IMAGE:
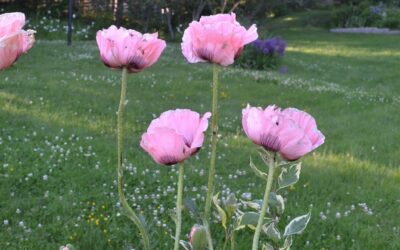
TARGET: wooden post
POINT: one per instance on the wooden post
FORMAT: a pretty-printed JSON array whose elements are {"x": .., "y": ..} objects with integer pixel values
[{"x": 69, "y": 35}]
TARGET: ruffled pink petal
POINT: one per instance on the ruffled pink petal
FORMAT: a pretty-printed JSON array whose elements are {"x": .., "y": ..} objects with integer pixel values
[
  {"x": 216, "y": 39},
  {"x": 120, "y": 48},
  {"x": 165, "y": 146},
  {"x": 183, "y": 121},
  {"x": 28, "y": 40},
  {"x": 306, "y": 122},
  {"x": 11, "y": 23},
  {"x": 253, "y": 124},
  {"x": 251, "y": 35},
  {"x": 10, "y": 49},
  {"x": 294, "y": 143},
  {"x": 198, "y": 137}
]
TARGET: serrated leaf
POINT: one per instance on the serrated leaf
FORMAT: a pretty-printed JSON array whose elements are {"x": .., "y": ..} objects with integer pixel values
[
  {"x": 297, "y": 225},
  {"x": 277, "y": 201},
  {"x": 267, "y": 246},
  {"x": 289, "y": 175},
  {"x": 287, "y": 244},
  {"x": 272, "y": 232},
  {"x": 221, "y": 212},
  {"x": 258, "y": 172},
  {"x": 250, "y": 219}
]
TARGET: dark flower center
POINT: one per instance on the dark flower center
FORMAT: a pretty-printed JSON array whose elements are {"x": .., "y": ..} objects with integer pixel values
[
  {"x": 205, "y": 54},
  {"x": 168, "y": 160},
  {"x": 136, "y": 63},
  {"x": 270, "y": 142}
]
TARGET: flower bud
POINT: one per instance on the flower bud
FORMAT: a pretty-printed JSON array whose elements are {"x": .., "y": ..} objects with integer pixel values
[{"x": 198, "y": 237}]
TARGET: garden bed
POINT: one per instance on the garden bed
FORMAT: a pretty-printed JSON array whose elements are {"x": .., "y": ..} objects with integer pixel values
[{"x": 367, "y": 30}]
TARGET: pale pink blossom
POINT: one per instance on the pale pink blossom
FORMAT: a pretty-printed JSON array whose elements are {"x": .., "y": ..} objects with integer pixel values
[
  {"x": 175, "y": 136},
  {"x": 302, "y": 136},
  {"x": 262, "y": 126},
  {"x": 216, "y": 39},
  {"x": 14, "y": 41},
  {"x": 290, "y": 132},
  {"x": 126, "y": 48}
]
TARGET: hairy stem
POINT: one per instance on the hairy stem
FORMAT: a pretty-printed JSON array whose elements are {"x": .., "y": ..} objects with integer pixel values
[
  {"x": 128, "y": 211},
  {"x": 214, "y": 129},
  {"x": 179, "y": 208},
  {"x": 264, "y": 204}
]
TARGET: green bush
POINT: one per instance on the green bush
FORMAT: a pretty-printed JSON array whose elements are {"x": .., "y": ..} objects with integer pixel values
[{"x": 392, "y": 19}]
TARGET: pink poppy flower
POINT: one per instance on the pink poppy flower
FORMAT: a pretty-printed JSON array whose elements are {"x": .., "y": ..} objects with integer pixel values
[
  {"x": 301, "y": 135},
  {"x": 175, "y": 136},
  {"x": 262, "y": 126},
  {"x": 13, "y": 40},
  {"x": 291, "y": 132},
  {"x": 120, "y": 47},
  {"x": 216, "y": 39}
]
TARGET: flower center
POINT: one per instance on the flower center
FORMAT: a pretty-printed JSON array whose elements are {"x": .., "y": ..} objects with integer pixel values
[
  {"x": 270, "y": 142},
  {"x": 205, "y": 54},
  {"x": 168, "y": 160},
  {"x": 136, "y": 62}
]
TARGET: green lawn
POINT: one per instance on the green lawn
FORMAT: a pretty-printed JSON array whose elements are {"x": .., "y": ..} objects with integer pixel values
[{"x": 57, "y": 143}]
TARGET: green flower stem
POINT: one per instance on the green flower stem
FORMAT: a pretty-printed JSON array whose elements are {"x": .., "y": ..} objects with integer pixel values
[
  {"x": 214, "y": 129},
  {"x": 233, "y": 240},
  {"x": 128, "y": 210},
  {"x": 208, "y": 234},
  {"x": 179, "y": 208},
  {"x": 265, "y": 203}
]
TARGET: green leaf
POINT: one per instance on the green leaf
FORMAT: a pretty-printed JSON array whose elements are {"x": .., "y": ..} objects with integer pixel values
[
  {"x": 287, "y": 244},
  {"x": 256, "y": 204},
  {"x": 297, "y": 225},
  {"x": 272, "y": 232},
  {"x": 221, "y": 212},
  {"x": 186, "y": 245},
  {"x": 289, "y": 175},
  {"x": 231, "y": 204},
  {"x": 258, "y": 172},
  {"x": 267, "y": 246},
  {"x": 277, "y": 201},
  {"x": 250, "y": 219}
]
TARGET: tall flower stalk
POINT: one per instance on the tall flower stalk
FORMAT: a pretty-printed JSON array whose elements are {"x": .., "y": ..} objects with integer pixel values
[
  {"x": 170, "y": 139},
  {"x": 127, "y": 209},
  {"x": 214, "y": 139},
  {"x": 132, "y": 52},
  {"x": 289, "y": 133},
  {"x": 271, "y": 172},
  {"x": 179, "y": 208}
]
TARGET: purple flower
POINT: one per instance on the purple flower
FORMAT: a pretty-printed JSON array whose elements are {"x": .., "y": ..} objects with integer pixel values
[
  {"x": 272, "y": 46},
  {"x": 283, "y": 69}
]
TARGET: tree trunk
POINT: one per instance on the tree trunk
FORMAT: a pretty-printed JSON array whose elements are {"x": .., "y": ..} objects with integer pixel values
[{"x": 118, "y": 12}]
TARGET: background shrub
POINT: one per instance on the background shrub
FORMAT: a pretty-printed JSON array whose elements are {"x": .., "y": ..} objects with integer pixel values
[{"x": 263, "y": 54}]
